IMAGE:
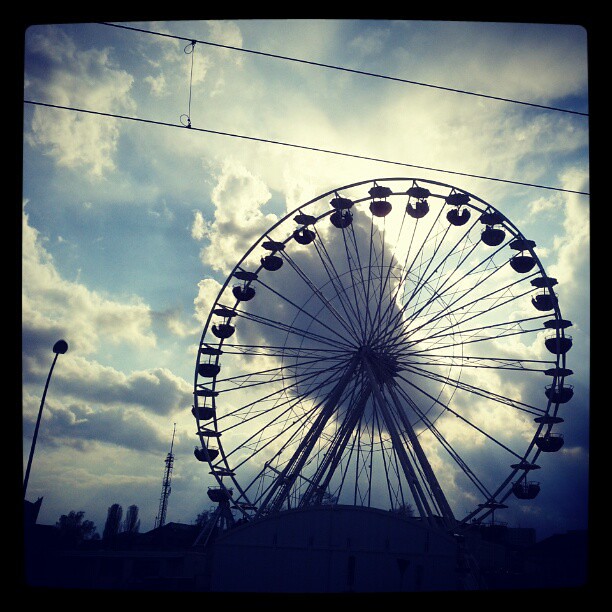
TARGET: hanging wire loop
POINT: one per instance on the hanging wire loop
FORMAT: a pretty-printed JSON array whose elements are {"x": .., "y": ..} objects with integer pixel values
[{"x": 189, "y": 50}]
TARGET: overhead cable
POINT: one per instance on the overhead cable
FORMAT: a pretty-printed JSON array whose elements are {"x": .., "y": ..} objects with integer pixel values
[
  {"x": 361, "y": 72},
  {"x": 303, "y": 147}
]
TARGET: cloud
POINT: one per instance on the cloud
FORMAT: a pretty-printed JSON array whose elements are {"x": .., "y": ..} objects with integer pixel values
[
  {"x": 199, "y": 227},
  {"x": 157, "y": 391},
  {"x": 82, "y": 426},
  {"x": 573, "y": 264},
  {"x": 90, "y": 401},
  {"x": 173, "y": 320},
  {"x": 208, "y": 289},
  {"x": 79, "y": 78},
  {"x": 370, "y": 43},
  {"x": 534, "y": 62},
  {"x": 238, "y": 220},
  {"x": 157, "y": 84},
  {"x": 85, "y": 318},
  {"x": 92, "y": 475},
  {"x": 196, "y": 69},
  {"x": 227, "y": 33},
  {"x": 546, "y": 205}
]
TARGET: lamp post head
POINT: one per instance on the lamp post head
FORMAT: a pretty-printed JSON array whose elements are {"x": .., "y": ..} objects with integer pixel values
[{"x": 61, "y": 346}]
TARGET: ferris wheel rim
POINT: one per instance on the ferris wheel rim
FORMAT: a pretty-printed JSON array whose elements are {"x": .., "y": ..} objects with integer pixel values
[{"x": 551, "y": 407}]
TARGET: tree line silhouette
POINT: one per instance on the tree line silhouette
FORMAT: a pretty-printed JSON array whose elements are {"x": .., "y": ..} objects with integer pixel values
[
  {"x": 73, "y": 528},
  {"x": 114, "y": 526}
]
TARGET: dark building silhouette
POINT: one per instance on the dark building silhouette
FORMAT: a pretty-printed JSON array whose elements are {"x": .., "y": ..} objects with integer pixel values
[
  {"x": 321, "y": 549},
  {"x": 560, "y": 561},
  {"x": 31, "y": 510}
]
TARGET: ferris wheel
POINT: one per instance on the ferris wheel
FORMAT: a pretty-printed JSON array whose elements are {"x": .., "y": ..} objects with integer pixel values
[{"x": 394, "y": 343}]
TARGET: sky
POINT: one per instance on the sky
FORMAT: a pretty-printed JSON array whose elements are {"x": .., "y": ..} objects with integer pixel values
[{"x": 132, "y": 221}]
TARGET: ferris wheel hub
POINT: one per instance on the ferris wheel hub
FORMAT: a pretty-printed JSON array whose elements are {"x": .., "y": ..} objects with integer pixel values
[{"x": 384, "y": 365}]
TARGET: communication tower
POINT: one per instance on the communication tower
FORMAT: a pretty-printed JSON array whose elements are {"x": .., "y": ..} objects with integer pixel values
[{"x": 160, "y": 519}]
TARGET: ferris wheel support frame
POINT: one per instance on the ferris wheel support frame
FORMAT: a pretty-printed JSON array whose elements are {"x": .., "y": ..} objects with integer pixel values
[{"x": 281, "y": 489}]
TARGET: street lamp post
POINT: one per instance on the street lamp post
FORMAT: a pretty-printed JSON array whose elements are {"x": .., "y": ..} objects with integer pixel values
[{"x": 59, "y": 348}]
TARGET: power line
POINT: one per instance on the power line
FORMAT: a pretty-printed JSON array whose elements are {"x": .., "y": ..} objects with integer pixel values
[
  {"x": 298, "y": 146},
  {"x": 343, "y": 69}
]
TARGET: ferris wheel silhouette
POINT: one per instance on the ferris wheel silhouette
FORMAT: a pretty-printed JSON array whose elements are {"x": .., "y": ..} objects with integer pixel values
[{"x": 379, "y": 346}]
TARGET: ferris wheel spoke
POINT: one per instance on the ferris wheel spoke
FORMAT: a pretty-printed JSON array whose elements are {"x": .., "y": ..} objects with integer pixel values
[
  {"x": 297, "y": 428},
  {"x": 289, "y": 444},
  {"x": 356, "y": 274},
  {"x": 301, "y": 310},
  {"x": 466, "y": 342},
  {"x": 334, "y": 449},
  {"x": 319, "y": 294},
  {"x": 407, "y": 465},
  {"x": 394, "y": 483},
  {"x": 393, "y": 258},
  {"x": 271, "y": 375},
  {"x": 380, "y": 264},
  {"x": 358, "y": 455},
  {"x": 285, "y": 351},
  {"x": 384, "y": 315},
  {"x": 332, "y": 444},
  {"x": 376, "y": 280},
  {"x": 261, "y": 402},
  {"x": 464, "y": 419},
  {"x": 438, "y": 294},
  {"x": 445, "y": 444},
  {"x": 499, "y": 292},
  {"x": 449, "y": 331},
  {"x": 263, "y": 443},
  {"x": 463, "y": 249},
  {"x": 339, "y": 289},
  {"x": 423, "y": 278},
  {"x": 477, "y": 362},
  {"x": 485, "y": 310},
  {"x": 251, "y": 411},
  {"x": 421, "y": 272},
  {"x": 336, "y": 341},
  {"x": 463, "y": 386},
  {"x": 433, "y": 343},
  {"x": 368, "y": 316},
  {"x": 461, "y": 293},
  {"x": 388, "y": 465},
  {"x": 402, "y": 276},
  {"x": 428, "y": 477},
  {"x": 282, "y": 486},
  {"x": 366, "y": 281},
  {"x": 368, "y": 464},
  {"x": 406, "y": 271},
  {"x": 354, "y": 459}
]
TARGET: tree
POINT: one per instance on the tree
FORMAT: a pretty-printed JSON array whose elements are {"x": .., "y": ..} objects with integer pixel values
[
  {"x": 202, "y": 518},
  {"x": 132, "y": 522},
  {"x": 73, "y": 529},
  {"x": 404, "y": 510},
  {"x": 113, "y": 521},
  {"x": 327, "y": 499}
]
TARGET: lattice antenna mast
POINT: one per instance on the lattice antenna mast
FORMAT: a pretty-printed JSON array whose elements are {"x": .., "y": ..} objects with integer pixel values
[{"x": 160, "y": 519}]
